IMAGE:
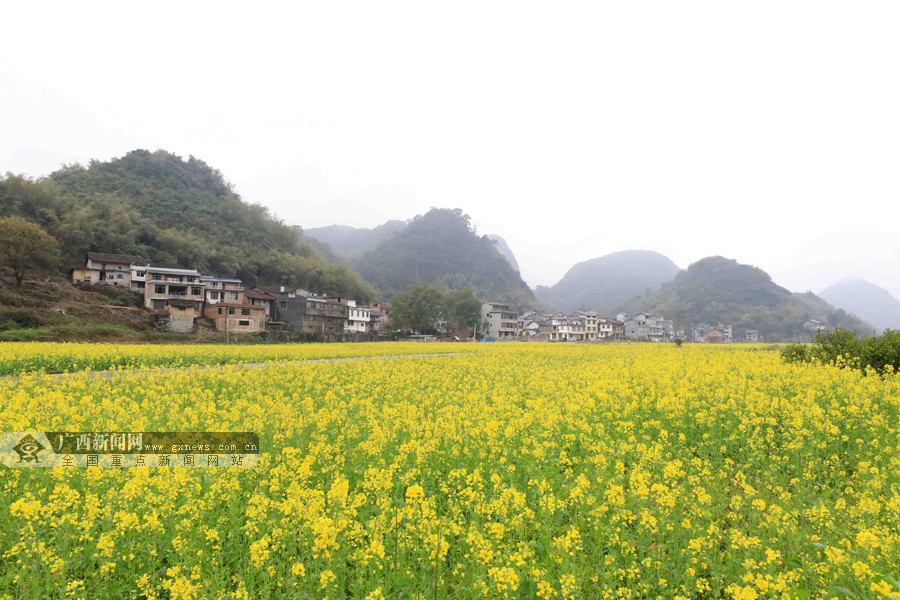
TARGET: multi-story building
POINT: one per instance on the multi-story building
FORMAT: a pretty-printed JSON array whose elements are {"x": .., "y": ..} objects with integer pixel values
[
  {"x": 166, "y": 283},
  {"x": 325, "y": 315},
  {"x": 637, "y": 329},
  {"x": 609, "y": 328},
  {"x": 358, "y": 317},
  {"x": 138, "y": 277},
  {"x": 591, "y": 320},
  {"x": 577, "y": 331},
  {"x": 260, "y": 297},
  {"x": 110, "y": 269},
  {"x": 380, "y": 316},
  {"x": 290, "y": 308},
  {"x": 500, "y": 321},
  {"x": 229, "y": 308}
]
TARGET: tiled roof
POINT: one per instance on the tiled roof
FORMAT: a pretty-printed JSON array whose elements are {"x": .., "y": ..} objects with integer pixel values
[{"x": 258, "y": 293}]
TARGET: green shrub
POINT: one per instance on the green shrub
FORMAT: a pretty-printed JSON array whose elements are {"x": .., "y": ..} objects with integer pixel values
[
  {"x": 24, "y": 318},
  {"x": 795, "y": 353},
  {"x": 842, "y": 348},
  {"x": 881, "y": 352}
]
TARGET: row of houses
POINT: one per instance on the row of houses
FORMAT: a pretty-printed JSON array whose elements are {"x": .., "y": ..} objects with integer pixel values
[
  {"x": 590, "y": 326},
  {"x": 181, "y": 296}
]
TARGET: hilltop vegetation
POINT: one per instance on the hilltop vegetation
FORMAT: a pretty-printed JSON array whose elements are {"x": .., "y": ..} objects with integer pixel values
[
  {"x": 604, "y": 283},
  {"x": 441, "y": 248},
  {"x": 166, "y": 209},
  {"x": 717, "y": 289}
]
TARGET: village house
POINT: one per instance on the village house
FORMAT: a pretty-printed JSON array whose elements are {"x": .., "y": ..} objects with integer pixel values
[
  {"x": 290, "y": 308},
  {"x": 814, "y": 325},
  {"x": 379, "y": 316},
  {"x": 715, "y": 336},
  {"x": 358, "y": 318},
  {"x": 531, "y": 329},
  {"x": 751, "y": 335},
  {"x": 609, "y": 329},
  {"x": 501, "y": 321},
  {"x": 591, "y": 331},
  {"x": 229, "y": 308},
  {"x": 637, "y": 329},
  {"x": 325, "y": 315},
  {"x": 169, "y": 283},
  {"x": 260, "y": 297},
  {"x": 138, "y": 277},
  {"x": 175, "y": 295},
  {"x": 577, "y": 331},
  {"x": 109, "y": 269}
]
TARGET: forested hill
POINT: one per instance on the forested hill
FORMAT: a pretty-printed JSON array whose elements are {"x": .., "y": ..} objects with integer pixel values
[
  {"x": 604, "y": 283},
  {"x": 441, "y": 248},
  {"x": 166, "y": 209},
  {"x": 720, "y": 290}
]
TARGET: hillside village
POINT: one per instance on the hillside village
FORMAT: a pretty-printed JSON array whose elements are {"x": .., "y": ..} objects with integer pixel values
[{"x": 178, "y": 297}]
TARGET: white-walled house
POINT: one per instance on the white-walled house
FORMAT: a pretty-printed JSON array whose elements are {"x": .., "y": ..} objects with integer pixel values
[
  {"x": 109, "y": 269},
  {"x": 358, "y": 317}
]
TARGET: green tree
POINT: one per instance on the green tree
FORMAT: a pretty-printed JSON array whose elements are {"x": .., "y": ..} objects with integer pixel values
[
  {"x": 420, "y": 309},
  {"x": 462, "y": 309},
  {"x": 25, "y": 246}
]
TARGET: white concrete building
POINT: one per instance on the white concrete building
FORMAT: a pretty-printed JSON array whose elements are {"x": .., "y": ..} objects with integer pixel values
[
  {"x": 358, "y": 318},
  {"x": 500, "y": 321}
]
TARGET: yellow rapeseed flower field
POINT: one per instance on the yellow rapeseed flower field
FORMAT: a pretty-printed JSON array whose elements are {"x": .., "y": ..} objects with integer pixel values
[{"x": 515, "y": 471}]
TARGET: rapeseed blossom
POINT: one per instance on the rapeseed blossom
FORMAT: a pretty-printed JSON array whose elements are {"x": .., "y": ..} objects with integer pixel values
[{"x": 516, "y": 470}]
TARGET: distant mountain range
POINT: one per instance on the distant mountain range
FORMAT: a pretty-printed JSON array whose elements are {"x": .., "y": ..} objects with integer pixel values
[
  {"x": 866, "y": 300},
  {"x": 717, "y": 289},
  {"x": 167, "y": 209},
  {"x": 604, "y": 284},
  {"x": 348, "y": 243}
]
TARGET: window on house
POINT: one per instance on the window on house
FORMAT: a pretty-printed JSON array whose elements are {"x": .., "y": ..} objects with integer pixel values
[
  {"x": 245, "y": 312},
  {"x": 159, "y": 289},
  {"x": 157, "y": 277},
  {"x": 230, "y": 311},
  {"x": 282, "y": 304},
  {"x": 220, "y": 310},
  {"x": 234, "y": 295},
  {"x": 118, "y": 276},
  {"x": 244, "y": 323},
  {"x": 195, "y": 291},
  {"x": 159, "y": 304}
]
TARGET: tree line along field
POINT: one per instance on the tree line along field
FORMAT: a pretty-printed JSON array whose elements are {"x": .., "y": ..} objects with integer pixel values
[{"x": 515, "y": 471}]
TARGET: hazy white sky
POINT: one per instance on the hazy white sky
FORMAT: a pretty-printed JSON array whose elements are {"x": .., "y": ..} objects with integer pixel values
[{"x": 765, "y": 131}]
